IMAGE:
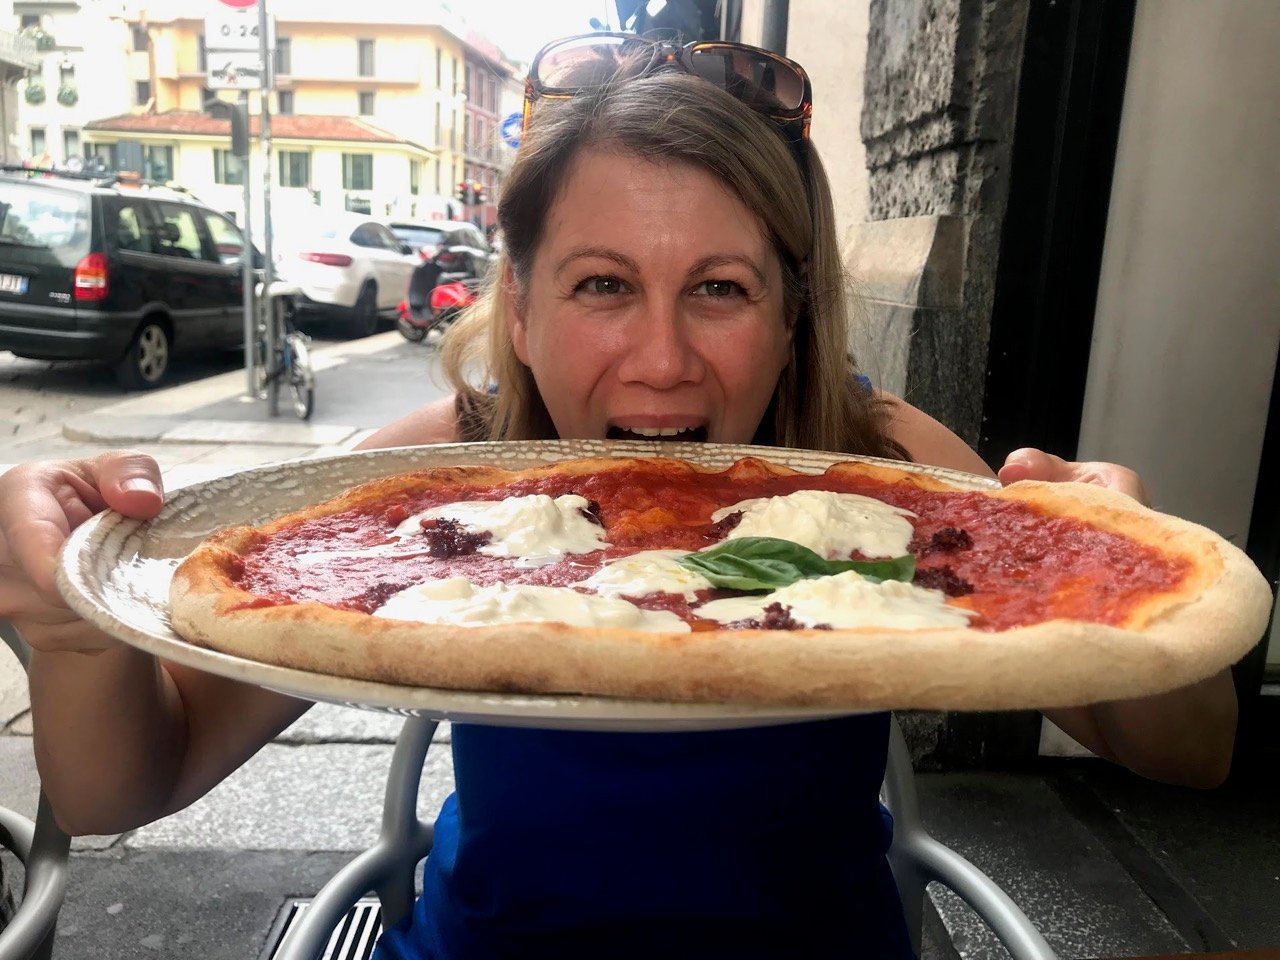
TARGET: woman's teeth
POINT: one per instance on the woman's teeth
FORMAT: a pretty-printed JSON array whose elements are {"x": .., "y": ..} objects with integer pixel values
[{"x": 657, "y": 433}]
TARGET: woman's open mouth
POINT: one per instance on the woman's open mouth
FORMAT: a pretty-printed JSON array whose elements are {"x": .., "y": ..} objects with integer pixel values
[{"x": 693, "y": 434}]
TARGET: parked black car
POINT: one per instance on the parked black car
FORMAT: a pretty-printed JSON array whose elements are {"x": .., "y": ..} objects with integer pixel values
[
  {"x": 458, "y": 248},
  {"x": 128, "y": 274}
]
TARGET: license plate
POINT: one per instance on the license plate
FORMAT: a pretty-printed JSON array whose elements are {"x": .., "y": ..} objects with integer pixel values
[{"x": 12, "y": 283}]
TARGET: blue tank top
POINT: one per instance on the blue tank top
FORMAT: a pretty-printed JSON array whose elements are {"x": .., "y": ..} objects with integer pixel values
[{"x": 743, "y": 844}]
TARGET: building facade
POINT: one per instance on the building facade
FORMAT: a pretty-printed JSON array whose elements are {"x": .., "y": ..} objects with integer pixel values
[
  {"x": 487, "y": 72},
  {"x": 334, "y": 162},
  {"x": 398, "y": 69},
  {"x": 41, "y": 50}
]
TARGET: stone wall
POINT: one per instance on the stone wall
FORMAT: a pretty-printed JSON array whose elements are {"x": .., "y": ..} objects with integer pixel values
[{"x": 940, "y": 93}]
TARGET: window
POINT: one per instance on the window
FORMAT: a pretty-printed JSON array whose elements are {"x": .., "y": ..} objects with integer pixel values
[
  {"x": 140, "y": 39},
  {"x": 364, "y": 103},
  {"x": 202, "y": 55},
  {"x": 364, "y": 58},
  {"x": 466, "y": 82},
  {"x": 437, "y": 167},
  {"x": 284, "y": 57},
  {"x": 438, "y": 131},
  {"x": 415, "y": 176},
  {"x": 141, "y": 92},
  {"x": 295, "y": 168},
  {"x": 105, "y": 155},
  {"x": 493, "y": 94},
  {"x": 357, "y": 171},
  {"x": 37, "y": 141},
  {"x": 228, "y": 243},
  {"x": 157, "y": 163},
  {"x": 132, "y": 231},
  {"x": 70, "y": 144},
  {"x": 439, "y": 64},
  {"x": 359, "y": 205},
  {"x": 67, "y": 74},
  {"x": 453, "y": 129},
  {"x": 284, "y": 103},
  {"x": 227, "y": 168},
  {"x": 467, "y": 142},
  {"x": 29, "y": 20},
  {"x": 177, "y": 234},
  {"x": 454, "y": 83}
]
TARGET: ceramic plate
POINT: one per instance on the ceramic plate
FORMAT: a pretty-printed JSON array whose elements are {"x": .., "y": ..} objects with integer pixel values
[{"x": 115, "y": 573}]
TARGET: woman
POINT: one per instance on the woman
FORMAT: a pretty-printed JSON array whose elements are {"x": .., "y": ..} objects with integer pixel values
[{"x": 670, "y": 265}]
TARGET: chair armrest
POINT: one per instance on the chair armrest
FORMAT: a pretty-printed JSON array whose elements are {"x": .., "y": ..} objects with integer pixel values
[
  {"x": 943, "y": 865},
  {"x": 43, "y": 847}
]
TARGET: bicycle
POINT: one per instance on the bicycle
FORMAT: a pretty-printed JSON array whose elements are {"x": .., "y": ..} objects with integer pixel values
[{"x": 291, "y": 363}]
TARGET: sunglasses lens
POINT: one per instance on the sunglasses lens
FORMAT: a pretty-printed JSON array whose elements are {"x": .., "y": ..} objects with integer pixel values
[
  {"x": 586, "y": 62},
  {"x": 761, "y": 82}
]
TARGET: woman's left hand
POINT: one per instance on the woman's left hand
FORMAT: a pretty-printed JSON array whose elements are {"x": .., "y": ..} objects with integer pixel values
[{"x": 1032, "y": 464}]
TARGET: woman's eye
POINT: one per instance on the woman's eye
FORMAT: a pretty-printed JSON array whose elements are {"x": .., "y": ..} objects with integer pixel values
[
  {"x": 602, "y": 286},
  {"x": 720, "y": 288}
]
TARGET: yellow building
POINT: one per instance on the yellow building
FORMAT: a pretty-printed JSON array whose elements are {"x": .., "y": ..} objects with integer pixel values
[{"x": 399, "y": 70}]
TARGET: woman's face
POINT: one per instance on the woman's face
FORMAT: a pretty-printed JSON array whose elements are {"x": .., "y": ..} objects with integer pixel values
[{"x": 654, "y": 306}]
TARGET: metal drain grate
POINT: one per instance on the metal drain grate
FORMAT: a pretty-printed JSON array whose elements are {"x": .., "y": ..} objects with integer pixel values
[{"x": 352, "y": 939}]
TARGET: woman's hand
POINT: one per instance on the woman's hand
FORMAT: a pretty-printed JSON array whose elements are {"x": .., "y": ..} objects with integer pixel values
[
  {"x": 1184, "y": 736},
  {"x": 1032, "y": 464},
  {"x": 40, "y": 504}
]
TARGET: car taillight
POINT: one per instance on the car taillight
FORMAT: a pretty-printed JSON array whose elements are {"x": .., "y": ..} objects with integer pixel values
[
  {"x": 91, "y": 278},
  {"x": 328, "y": 259},
  {"x": 427, "y": 251}
]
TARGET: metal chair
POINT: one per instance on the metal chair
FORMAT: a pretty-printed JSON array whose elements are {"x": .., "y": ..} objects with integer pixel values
[
  {"x": 387, "y": 868},
  {"x": 43, "y": 848}
]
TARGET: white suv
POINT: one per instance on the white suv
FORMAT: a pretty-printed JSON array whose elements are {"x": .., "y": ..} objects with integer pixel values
[{"x": 349, "y": 264}]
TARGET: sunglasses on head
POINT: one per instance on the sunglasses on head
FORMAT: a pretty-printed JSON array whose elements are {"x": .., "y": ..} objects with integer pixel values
[{"x": 770, "y": 84}]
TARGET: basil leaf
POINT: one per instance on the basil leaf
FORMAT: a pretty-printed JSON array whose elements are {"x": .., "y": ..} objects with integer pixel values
[{"x": 767, "y": 563}]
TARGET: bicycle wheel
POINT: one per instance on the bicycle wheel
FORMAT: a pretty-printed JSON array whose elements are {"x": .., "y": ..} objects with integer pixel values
[{"x": 304, "y": 398}]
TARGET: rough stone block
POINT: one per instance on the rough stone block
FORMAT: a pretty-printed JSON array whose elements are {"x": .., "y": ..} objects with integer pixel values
[{"x": 918, "y": 261}]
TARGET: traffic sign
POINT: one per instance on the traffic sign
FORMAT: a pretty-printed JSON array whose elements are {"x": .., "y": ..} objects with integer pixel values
[
  {"x": 510, "y": 131},
  {"x": 229, "y": 29},
  {"x": 240, "y": 4},
  {"x": 234, "y": 70}
]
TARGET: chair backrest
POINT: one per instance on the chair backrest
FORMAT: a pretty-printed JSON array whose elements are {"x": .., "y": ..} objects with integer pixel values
[{"x": 43, "y": 848}]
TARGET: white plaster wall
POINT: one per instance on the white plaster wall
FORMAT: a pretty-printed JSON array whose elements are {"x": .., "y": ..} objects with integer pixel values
[
  {"x": 829, "y": 39},
  {"x": 1188, "y": 316}
]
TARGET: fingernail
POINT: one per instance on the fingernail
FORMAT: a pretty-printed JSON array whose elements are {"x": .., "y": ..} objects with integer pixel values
[{"x": 138, "y": 485}]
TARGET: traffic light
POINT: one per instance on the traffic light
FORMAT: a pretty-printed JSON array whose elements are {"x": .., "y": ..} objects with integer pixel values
[
  {"x": 478, "y": 194},
  {"x": 464, "y": 192}
]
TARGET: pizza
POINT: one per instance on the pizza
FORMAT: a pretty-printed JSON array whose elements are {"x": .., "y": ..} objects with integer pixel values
[{"x": 865, "y": 586}]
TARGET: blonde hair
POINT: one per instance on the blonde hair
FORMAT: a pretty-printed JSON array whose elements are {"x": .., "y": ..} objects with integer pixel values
[{"x": 670, "y": 117}]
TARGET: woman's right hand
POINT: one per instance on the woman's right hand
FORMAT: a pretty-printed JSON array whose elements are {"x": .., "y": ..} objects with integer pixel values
[{"x": 40, "y": 504}]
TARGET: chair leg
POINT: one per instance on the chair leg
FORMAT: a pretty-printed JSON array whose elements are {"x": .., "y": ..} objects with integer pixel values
[{"x": 911, "y": 884}]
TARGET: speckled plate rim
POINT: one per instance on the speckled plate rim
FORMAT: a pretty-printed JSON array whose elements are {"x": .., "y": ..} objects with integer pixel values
[{"x": 83, "y": 580}]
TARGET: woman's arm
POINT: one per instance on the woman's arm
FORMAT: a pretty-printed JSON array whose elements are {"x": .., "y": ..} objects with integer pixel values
[{"x": 1185, "y": 736}]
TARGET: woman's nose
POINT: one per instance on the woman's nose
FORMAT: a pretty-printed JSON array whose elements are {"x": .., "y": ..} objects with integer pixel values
[{"x": 661, "y": 354}]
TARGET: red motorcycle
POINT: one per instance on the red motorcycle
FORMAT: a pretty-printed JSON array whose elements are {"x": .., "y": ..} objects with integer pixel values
[{"x": 419, "y": 314}]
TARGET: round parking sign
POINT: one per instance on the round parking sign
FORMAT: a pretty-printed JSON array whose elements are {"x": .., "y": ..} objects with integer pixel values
[
  {"x": 510, "y": 131},
  {"x": 239, "y": 4}
]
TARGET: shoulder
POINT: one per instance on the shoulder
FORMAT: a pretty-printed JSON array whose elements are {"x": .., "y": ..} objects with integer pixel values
[
  {"x": 927, "y": 440},
  {"x": 436, "y": 422}
]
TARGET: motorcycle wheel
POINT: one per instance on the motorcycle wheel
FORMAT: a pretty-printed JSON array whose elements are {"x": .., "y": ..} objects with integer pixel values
[{"x": 410, "y": 332}]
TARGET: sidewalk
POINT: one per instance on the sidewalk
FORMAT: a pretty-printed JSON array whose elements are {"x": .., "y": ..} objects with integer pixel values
[{"x": 1104, "y": 863}]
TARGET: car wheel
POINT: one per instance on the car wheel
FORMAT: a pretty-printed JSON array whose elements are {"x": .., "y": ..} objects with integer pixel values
[
  {"x": 146, "y": 362},
  {"x": 364, "y": 315}
]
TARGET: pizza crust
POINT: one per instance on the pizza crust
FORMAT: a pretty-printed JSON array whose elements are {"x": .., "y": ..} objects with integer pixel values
[{"x": 1216, "y": 616}]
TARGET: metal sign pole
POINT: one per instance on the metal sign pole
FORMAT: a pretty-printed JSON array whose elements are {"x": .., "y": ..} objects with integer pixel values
[
  {"x": 247, "y": 277},
  {"x": 268, "y": 272}
]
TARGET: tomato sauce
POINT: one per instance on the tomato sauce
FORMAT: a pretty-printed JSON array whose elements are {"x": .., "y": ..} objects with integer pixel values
[{"x": 1022, "y": 565}]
